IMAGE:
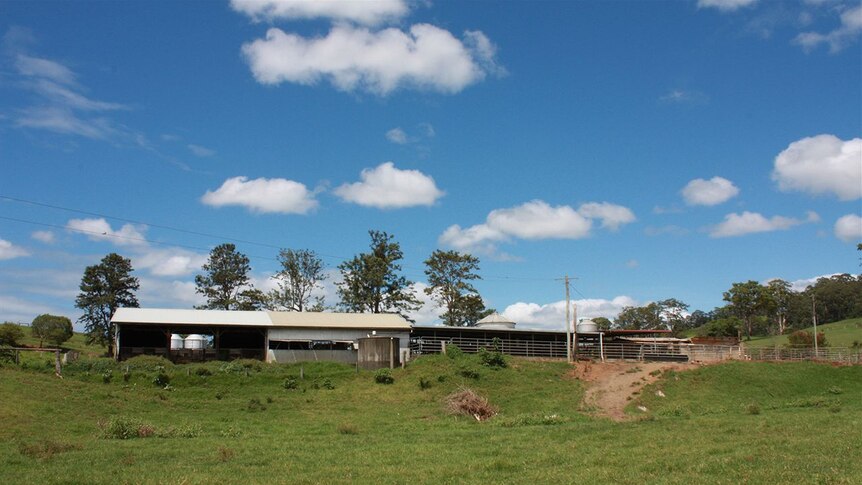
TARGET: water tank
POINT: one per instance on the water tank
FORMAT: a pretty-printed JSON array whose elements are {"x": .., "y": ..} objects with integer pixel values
[
  {"x": 176, "y": 341},
  {"x": 496, "y": 321},
  {"x": 196, "y": 342},
  {"x": 587, "y": 326}
]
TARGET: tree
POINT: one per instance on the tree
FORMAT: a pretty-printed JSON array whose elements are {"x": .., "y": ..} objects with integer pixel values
[
  {"x": 746, "y": 301},
  {"x": 672, "y": 313},
  {"x": 10, "y": 334},
  {"x": 104, "y": 288},
  {"x": 603, "y": 323},
  {"x": 371, "y": 283},
  {"x": 779, "y": 293},
  {"x": 301, "y": 273},
  {"x": 639, "y": 318},
  {"x": 449, "y": 275},
  {"x": 53, "y": 328},
  {"x": 225, "y": 282}
]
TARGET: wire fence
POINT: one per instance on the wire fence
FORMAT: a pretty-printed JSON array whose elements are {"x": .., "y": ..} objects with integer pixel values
[{"x": 828, "y": 354}]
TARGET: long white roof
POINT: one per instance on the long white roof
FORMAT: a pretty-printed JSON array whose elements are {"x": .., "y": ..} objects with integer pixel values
[{"x": 164, "y": 316}]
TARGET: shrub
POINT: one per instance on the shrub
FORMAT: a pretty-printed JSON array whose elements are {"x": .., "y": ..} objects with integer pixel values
[
  {"x": 384, "y": 376},
  {"x": 424, "y": 383},
  {"x": 107, "y": 376},
  {"x": 494, "y": 360},
  {"x": 466, "y": 402},
  {"x": 327, "y": 384},
  {"x": 162, "y": 379},
  {"x": 185, "y": 431},
  {"x": 10, "y": 334},
  {"x": 219, "y": 395},
  {"x": 802, "y": 339},
  {"x": 122, "y": 428},
  {"x": 454, "y": 352},
  {"x": 469, "y": 372},
  {"x": 291, "y": 383}
]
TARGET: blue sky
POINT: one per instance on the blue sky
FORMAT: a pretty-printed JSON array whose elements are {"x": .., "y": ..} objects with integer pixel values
[{"x": 649, "y": 149}]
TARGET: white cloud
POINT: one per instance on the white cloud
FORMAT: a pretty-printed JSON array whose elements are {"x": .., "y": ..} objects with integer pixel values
[
  {"x": 846, "y": 33},
  {"x": 19, "y": 310},
  {"x": 200, "y": 151},
  {"x": 354, "y": 58},
  {"x": 44, "y": 68},
  {"x": 725, "y": 5},
  {"x": 552, "y": 316},
  {"x": 11, "y": 251},
  {"x": 263, "y": 195},
  {"x": 46, "y": 237},
  {"x": 161, "y": 293},
  {"x": 535, "y": 220},
  {"x": 709, "y": 192},
  {"x": 849, "y": 228},
  {"x": 684, "y": 96},
  {"x": 169, "y": 262},
  {"x": 362, "y": 12},
  {"x": 100, "y": 230},
  {"x": 753, "y": 222},
  {"x": 802, "y": 284},
  {"x": 387, "y": 187},
  {"x": 611, "y": 215},
  {"x": 397, "y": 135},
  {"x": 822, "y": 164},
  {"x": 429, "y": 313}
]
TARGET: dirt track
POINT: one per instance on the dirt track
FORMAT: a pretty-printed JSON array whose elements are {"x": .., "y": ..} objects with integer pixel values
[{"x": 610, "y": 385}]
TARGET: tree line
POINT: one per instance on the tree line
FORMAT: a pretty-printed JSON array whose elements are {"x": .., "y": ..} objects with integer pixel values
[
  {"x": 370, "y": 282},
  {"x": 752, "y": 309}
]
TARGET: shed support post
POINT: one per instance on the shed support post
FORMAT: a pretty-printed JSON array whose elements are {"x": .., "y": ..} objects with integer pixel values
[{"x": 391, "y": 353}]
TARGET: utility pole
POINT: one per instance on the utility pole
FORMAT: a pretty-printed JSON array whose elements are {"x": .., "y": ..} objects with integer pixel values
[
  {"x": 814, "y": 318},
  {"x": 568, "y": 325}
]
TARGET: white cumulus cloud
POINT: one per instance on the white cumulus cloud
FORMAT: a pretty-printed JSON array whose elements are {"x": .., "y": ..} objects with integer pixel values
[
  {"x": 849, "y": 228},
  {"x": 263, "y": 195},
  {"x": 355, "y": 58},
  {"x": 388, "y": 187},
  {"x": 725, "y": 5},
  {"x": 358, "y": 11},
  {"x": 753, "y": 222},
  {"x": 822, "y": 164},
  {"x": 552, "y": 316},
  {"x": 169, "y": 262},
  {"x": 11, "y": 251},
  {"x": 535, "y": 220},
  {"x": 100, "y": 230},
  {"x": 709, "y": 192},
  {"x": 201, "y": 151}
]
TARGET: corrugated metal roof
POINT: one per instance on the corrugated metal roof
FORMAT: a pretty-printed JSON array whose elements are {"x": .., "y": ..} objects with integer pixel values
[
  {"x": 166, "y": 316},
  {"x": 338, "y": 320}
]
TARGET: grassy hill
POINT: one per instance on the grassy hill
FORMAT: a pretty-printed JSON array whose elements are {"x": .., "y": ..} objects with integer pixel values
[
  {"x": 838, "y": 334},
  {"x": 235, "y": 422},
  {"x": 77, "y": 343}
]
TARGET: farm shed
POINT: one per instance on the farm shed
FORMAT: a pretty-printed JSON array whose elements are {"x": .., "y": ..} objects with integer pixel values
[{"x": 264, "y": 335}]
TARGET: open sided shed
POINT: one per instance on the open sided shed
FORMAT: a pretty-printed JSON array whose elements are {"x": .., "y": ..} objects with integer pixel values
[{"x": 271, "y": 336}]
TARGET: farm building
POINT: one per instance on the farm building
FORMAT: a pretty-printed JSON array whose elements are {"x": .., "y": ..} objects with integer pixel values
[{"x": 195, "y": 335}]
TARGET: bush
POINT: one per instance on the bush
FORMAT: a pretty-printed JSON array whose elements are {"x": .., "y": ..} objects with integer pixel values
[
  {"x": 454, "y": 352},
  {"x": 802, "y": 339},
  {"x": 424, "y": 383},
  {"x": 203, "y": 372},
  {"x": 494, "y": 360},
  {"x": 162, "y": 379},
  {"x": 10, "y": 334},
  {"x": 148, "y": 363},
  {"x": 466, "y": 402},
  {"x": 107, "y": 376},
  {"x": 469, "y": 372},
  {"x": 384, "y": 376},
  {"x": 122, "y": 428},
  {"x": 291, "y": 383},
  {"x": 255, "y": 405}
]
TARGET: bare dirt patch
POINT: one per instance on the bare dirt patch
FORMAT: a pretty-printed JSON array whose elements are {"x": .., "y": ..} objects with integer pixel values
[{"x": 612, "y": 385}]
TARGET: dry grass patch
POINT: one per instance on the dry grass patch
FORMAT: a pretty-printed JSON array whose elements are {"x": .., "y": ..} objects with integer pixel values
[{"x": 467, "y": 402}]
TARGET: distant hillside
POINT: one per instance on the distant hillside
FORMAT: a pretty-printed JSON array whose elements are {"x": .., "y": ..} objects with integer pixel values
[{"x": 838, "y": 334}]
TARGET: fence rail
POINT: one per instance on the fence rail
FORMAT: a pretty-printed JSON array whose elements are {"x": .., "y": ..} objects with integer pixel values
[
  {"x": 829, "y": 354},
  {"x": 521, "y": 348}
]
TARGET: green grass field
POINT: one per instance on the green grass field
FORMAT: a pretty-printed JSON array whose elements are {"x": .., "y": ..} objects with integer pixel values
[
  {"x": 77, "y": 343},
  {"x": 731, "y": 423},
  {"x": 839, "y": 334}
]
